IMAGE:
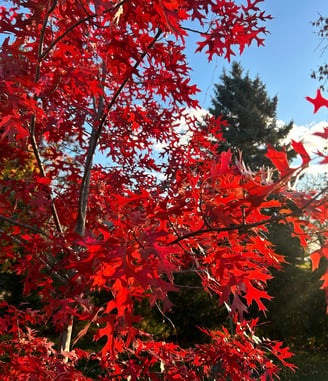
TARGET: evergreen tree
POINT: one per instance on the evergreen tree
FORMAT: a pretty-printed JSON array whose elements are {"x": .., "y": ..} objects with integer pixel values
[{"x": 251, "y": 115}]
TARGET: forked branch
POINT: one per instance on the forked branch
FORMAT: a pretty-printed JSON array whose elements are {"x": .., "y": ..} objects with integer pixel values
[{"x": 96, "y": 132}]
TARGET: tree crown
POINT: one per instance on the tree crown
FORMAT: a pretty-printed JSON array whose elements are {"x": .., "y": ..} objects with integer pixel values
[{"x": 250, "y": 114}]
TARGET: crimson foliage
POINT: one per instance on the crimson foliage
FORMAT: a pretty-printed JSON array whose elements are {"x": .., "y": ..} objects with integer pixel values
[{"x": 83, "y": 77}]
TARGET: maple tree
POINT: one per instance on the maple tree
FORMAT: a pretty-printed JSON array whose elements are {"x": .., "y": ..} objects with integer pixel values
[{"x": 83, "y": 77}]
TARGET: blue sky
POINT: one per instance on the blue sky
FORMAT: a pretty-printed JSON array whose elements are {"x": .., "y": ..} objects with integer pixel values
[{"x": 292, "y": 51}]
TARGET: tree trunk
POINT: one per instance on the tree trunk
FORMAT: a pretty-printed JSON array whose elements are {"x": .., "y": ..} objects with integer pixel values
[{"x": 64, "y": 344}]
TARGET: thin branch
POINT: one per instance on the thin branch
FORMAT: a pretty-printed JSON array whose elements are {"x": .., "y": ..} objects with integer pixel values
[
  {"x": 23, "y": 225},
  {"x": 165, "y": 316},
  {"x": 84, "y": 188},
  {"x": 14, "y": 239},
  {"x": 196, "y": 31},
  {"x": 90, "y": 14},
  {"x": 41, "y": 41},
  {"x": 189, "y": 287},
  {"x": 206, "y": 222},
  {"x": 241, "y": 226},
  {"x": 189, "y": 271},
  {"x": 33, "y": 119},
  {"x": 55, "y": 274},
  {"x": 137, "y": 240},
  {"x": 43, "y": 174},
  {"x": 314, "y": 198},
  {"x": 59, "y": 38},
  {"x": 177, "y": 234},
  {"x": 207, "y": 33},
  {"x": 18, "y": 329}
]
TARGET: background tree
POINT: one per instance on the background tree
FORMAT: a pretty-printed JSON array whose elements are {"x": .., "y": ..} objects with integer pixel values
[{"x": 251, "y": 115}]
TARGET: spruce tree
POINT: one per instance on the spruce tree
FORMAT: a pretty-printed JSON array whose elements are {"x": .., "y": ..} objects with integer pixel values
[{"x": 251, "y": 115}]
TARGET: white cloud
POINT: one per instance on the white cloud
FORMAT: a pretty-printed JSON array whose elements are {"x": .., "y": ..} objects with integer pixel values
[
  {"x": 304, "y": 134},
  {"x": 312, "y": 144},
  {"x": 182, "y": 127}
]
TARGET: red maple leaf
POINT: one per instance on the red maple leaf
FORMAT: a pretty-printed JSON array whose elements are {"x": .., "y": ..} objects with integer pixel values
[
  {"x": 318, "y": 102},
  {"x": 278, "y": 159},
  {"x": 323, "y": 134},
  {"x": 299, "y": 148}
]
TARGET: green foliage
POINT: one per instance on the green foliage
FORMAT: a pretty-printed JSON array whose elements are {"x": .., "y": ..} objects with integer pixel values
[
  {"x": 311, "y": 366},
  {"x": 193, "y": 308},
  {"x": 297, "y": 312},
  {"x": 251, "y": 116}
]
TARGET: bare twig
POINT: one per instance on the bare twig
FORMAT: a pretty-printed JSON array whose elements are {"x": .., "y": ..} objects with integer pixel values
[
  {"x": 53, "y": 273},
  {"x": 177, "y": 234},
  {"x": 196, "y": 31},
  {"x": 41, "y": 41},
  {"x": 23, "y": 225},
  {"x": 14, "y": 239},
  {"x": 43, "y": 174},
  {"x": 165, "y": 316}
]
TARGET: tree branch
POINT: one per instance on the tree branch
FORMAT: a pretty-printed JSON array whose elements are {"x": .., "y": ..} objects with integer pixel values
[
  {"x": 32, "y": 123},
  {"x": 322, "y": 191},
  {"x": 43, "y": 173},
  {"x": 196, "y": 31},
  {"x": 85, "y": 183},
  {"x": 42, "y": 34},
  {"x": 23, "y": 225},
  {"x": 241, "y": 226},
  {"x": 53, "y": 273},
  {"x": 89, "y": 17}
]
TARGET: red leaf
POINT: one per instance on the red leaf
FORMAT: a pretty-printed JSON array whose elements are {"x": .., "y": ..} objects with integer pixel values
[
  {"x": 278, "y": 159},
  {"x": 323, "y": 134},
  {"x": 254, "y": 294},
  {"x": 317, "y": 255},
  {"x": 109, "y": 332},
  {"x": 43, "y": 180},
  {"x": 315, "y": 258},
  {"x": 238, "y": 305},
  {"x": 12, "y": 126},
  {"x": 282, "y": 354},
  {"x": 318, "y": 102},
  {"x": 299, "y": 148},
  {"x": 325, "y": 157}
]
